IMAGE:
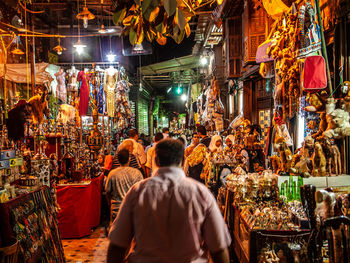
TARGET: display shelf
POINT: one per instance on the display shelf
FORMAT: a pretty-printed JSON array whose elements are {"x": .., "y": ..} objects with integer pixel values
[
  {"x": 248, "y": 242},
  {"x": 320, "y": 182},
  {"x": 31, "y": 219}
]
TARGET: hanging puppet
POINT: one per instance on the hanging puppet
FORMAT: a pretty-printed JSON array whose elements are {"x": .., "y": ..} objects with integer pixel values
[{"x": 214, "y": 109}]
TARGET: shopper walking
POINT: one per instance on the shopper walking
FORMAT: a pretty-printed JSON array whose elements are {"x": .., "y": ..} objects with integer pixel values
[
  {"x": 169, "y": 217},
  {"x": 198, "y": 158},
  {"x": 189, "y": 149},
  {"x": 151, "y": 165},
  {"x": 195, "y": 141},
  {"x": 129, "y": 146},
  {"x": 138, "y": 150},
  {"x": 119, "y": 182}
]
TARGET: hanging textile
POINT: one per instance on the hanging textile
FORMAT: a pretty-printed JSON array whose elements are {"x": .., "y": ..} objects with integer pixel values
[
  {"x": 84, "y": 92},
  {"x": 18, "y": 73},
  {"x": 111, "y": 76},
  {"x": 61, "y": 87}
]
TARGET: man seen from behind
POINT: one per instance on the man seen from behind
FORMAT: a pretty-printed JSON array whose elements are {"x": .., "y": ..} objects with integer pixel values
[{"x": 169, "y": 217}]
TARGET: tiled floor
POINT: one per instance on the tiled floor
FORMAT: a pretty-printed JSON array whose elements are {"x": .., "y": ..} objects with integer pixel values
[{"x": 92, "y": 248}]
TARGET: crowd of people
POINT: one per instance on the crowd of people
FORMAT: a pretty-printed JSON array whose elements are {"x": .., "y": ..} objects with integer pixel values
[{"x": 160, "y": 208}]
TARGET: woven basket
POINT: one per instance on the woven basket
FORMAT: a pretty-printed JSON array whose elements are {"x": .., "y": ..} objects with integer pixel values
[{"x": 9, "y": 254}]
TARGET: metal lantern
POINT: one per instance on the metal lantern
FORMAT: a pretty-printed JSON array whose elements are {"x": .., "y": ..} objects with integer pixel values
[{"x": 95, "y": 138}]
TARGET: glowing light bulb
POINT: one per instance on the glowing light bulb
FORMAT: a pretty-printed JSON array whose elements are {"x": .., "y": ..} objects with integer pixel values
[
  {"x": 203, "y": 61},
  {"x": 110, "y": 57},
  {"x": 183, "y": 97},
  {"x": 79, "y": 49},
  {"x": 85, "y": 22}
]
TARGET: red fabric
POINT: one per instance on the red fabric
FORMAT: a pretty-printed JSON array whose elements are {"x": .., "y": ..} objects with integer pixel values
[
  {"x": 108, "y": 162},
  {"x": 83, "y": 93},
  {"x": 315, "y": 77},
  {"x": 80, "y": 208}
]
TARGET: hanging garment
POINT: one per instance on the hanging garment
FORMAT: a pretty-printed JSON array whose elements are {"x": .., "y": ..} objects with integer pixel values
[
  {"x": 111, "y": 81},
  {"x": 73, "y": 81},
  {"x": 100, "y": 99},
  {"x": 61, "y": 87},
  {"x": 84, "y": 92}
]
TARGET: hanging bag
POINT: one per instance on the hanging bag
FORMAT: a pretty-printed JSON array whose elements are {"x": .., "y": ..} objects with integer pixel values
[
  {"x": 309, "y": 38},
  {"x": 313, "y": 76}
]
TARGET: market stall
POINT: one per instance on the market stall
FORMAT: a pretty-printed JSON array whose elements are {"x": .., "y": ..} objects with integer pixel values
[
  {"x": 50, "y": 151},
  {"x": 80, "y": 207}
]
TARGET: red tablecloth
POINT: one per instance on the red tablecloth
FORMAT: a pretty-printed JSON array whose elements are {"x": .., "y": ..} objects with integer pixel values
[{"x": 80, "y": 208}]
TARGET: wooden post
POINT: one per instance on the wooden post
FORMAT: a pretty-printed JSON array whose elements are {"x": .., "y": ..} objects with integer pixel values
[
  {"x": 324, "y": 47},
  {"x": 32, "y": 59}
]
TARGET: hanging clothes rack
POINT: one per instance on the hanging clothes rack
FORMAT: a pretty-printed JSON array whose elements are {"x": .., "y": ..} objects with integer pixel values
[{"x": 82, "y": 65}]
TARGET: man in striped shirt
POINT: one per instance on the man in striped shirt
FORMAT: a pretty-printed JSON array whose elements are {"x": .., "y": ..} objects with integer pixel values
[{"x": 128, "y": 145}]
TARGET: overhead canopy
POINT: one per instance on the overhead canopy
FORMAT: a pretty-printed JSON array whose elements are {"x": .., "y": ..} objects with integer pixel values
[
  {"x": 18, "y": 73},
  {"x": 178, "y": 70},
  {"x": 176, "y": 64}
]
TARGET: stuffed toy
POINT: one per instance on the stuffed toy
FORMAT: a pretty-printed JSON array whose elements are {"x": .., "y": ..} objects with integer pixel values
[
  {"x": 16, "y": 120},
  {"x": 338, "y": 124},
  {"x": 275, "y": 163},
  {"x": 346, "y": 103},
  {"x": 332, "y": 154},
  {"x": 39, "y": 106},
  {"x": 284, "y": 153},
  {"x": 317, "y": 101},
  {"x": 302, "y": 159},
  {"x": 325, "y": 202},
  {"x": 322, "y": 126},
  {"x": 318, "y": 161}
]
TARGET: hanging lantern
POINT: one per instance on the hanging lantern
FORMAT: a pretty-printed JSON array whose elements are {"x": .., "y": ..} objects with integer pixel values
[
  {"x": 102, "y": 30},
  {"x": 85, "y": 15},
  {"x": 17, "y": 51},
  {"x": 59, "y": 49}
]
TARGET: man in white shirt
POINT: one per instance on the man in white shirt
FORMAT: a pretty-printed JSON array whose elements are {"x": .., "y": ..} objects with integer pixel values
[
  {"x": 151, "y": 165},
  {"x": 139, "y": 152},
  {"x": 169, "y": 217}
]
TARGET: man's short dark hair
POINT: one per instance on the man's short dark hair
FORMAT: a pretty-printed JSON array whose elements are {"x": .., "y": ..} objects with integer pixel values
[
  {"x": 165, "y": 129},
  {"x": 132, "y": 133},
  {"x": 182, "y": 140},
  {"x": 169, "y": 152},
  {"x": 123, "y": 156},
  {"x": 202, "y": 130},
  {"x": 158, "y": 136}
]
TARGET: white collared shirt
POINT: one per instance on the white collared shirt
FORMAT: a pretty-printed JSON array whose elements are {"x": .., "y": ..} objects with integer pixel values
[
  {"x": 169, "y": 216},
  {"x": 139, "y": 152}
]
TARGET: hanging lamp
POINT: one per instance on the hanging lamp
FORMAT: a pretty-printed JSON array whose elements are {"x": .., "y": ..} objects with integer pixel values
[
  {"x": 17, "y": 51},
  {"x": 85, "y": 15},
  {"x": 59, "y": 49},
  {"x": 79, "y": 46},
  {"x": 110, "y": 56},
  {"x": 102, "y": 29}
]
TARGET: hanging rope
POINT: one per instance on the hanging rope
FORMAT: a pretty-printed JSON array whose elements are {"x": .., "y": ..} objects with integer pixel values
[
  {"x": 29, "y": 11},
  {"x": 27, "y": 59},
  {"x": 5, "y": 87}
]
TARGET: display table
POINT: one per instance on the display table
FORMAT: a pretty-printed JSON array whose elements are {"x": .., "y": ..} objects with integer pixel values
[
  {"x": 31, "y": 219},
  {"x": 248, "y": 243},
  {"x": 80, "y": 208}
]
